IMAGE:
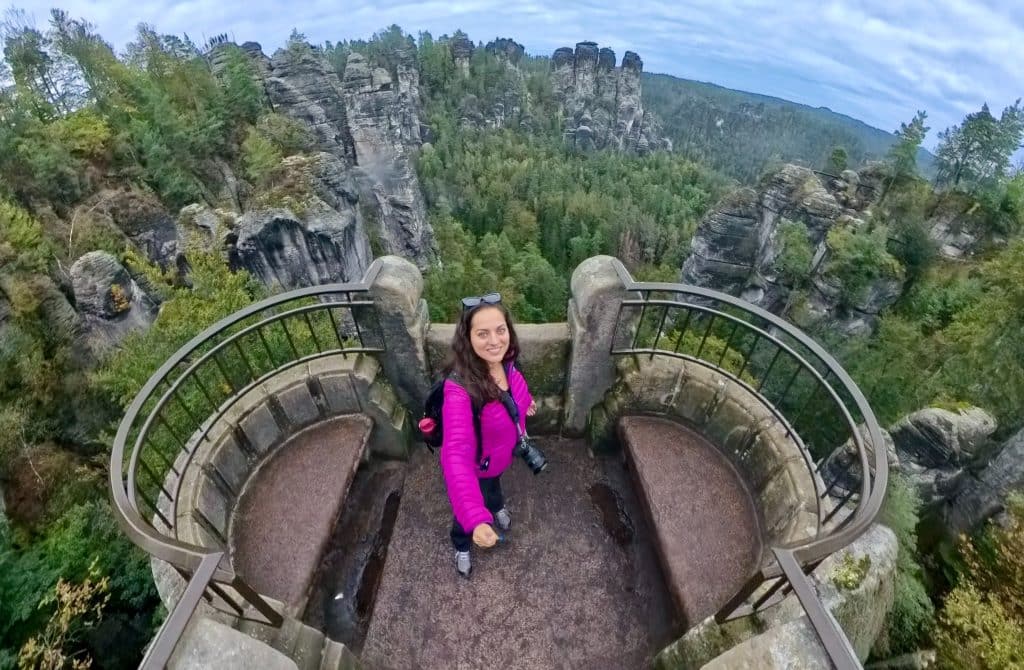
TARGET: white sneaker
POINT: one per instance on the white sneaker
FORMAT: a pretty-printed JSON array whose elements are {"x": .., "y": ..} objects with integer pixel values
[
  {"x": 462, "y": 564},
  {"x": 503, "y": 519}
]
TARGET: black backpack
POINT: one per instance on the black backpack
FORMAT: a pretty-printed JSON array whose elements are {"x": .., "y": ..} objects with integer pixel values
[{"x": 433, "y": 431}]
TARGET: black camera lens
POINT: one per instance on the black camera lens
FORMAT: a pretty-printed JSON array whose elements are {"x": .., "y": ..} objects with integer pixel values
[{"x": 533, "y": 456}]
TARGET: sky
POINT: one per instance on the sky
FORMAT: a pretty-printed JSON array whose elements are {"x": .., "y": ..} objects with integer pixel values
[{"x": 876, "y": 60}]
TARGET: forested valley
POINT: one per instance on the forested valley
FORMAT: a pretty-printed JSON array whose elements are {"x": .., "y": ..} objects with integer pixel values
[{"x": 513, "y": 208}]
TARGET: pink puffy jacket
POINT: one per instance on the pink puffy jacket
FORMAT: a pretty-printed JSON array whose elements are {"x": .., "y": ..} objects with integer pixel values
[{"x": 458, "y": 447}]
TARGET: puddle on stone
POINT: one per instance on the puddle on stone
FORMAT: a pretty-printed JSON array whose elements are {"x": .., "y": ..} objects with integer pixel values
[{"x": 614, "y": 517}]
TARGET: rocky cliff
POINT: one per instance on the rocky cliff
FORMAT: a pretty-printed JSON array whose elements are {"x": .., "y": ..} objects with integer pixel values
[
  {"x": 737, "y": 245},
  {"x": 368, "y": 120},
  {"x": 600, "y": 103}
]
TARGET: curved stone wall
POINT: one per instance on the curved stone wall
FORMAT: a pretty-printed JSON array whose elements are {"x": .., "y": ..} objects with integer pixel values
[
  {"x": 732, "y": 419},
  {"x": 258, "y": 424}
]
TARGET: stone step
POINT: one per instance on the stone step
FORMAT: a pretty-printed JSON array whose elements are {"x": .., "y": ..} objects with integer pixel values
[
  {"x": 337, "y": 656},
  {"x": 702, "y": 516}
]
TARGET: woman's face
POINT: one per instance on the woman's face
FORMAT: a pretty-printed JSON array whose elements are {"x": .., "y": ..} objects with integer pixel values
[{"x": 488, "y": 333}]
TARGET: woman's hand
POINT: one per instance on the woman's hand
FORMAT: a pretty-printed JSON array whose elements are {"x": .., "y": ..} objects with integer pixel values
[
  {"x": 484, "y": 536},
  {"x": 532, "y": 409}
]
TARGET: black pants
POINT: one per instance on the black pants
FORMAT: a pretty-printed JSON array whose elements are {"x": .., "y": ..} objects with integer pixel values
[{"x": 493, "y": 501}]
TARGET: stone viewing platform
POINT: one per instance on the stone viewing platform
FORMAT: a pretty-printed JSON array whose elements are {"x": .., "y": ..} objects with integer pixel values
[{"x": 271, "y": 471}]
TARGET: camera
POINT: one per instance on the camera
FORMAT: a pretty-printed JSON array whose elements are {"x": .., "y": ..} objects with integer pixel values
[{"x": 533, "y": 456}]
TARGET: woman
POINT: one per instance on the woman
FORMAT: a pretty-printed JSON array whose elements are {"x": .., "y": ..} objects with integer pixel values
[{"x": 478, "y": 373}]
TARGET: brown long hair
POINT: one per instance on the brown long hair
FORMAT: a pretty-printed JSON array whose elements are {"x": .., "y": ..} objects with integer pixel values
[{"x": 470, "y": 369}]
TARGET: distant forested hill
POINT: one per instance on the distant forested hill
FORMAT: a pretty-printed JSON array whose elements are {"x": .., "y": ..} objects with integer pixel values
[{"x": 742, "y": 133}]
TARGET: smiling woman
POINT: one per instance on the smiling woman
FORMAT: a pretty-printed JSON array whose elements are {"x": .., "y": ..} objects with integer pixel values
[{"x": 486, "y": 402}]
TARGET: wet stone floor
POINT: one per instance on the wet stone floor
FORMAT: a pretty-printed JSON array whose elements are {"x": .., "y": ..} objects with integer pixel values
[{"x": 577, "y": 584}]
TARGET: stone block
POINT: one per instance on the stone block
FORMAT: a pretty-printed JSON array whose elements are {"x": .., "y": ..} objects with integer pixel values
[
  {"x": 209, "y": 644},
  {"x": 778, "y": 503},
  {"x": 213, "y": 505},
  {"x": 229, "y": 460},
  {"x": 339, "y": 393},
  {"x": 261, "y": 429},
  {"x": 298, "y": 405}
]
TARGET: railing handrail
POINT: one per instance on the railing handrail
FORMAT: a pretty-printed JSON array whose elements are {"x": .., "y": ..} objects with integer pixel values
[
  {"x": 141, "y": 531},
  {"x": 868, "y": 507}
]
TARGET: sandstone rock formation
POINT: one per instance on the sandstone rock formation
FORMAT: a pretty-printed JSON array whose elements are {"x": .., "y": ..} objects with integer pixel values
[
  {"x": 601, "y": 103},
  {"x": 935, "y": 447},
  {"x": 983, "y": 495},
  {"x": 110, "y": 303},
  {"x": 286, "y": 250},
  {"x": 138, "y": 215},
  {"x": 737, "y": 244},
  {"x": 369, "y": 121}
]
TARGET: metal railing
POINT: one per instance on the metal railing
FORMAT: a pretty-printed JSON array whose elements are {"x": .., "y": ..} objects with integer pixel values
[
  {"x": 171, "y": 418},
  {"x": 813, "y": 399}
]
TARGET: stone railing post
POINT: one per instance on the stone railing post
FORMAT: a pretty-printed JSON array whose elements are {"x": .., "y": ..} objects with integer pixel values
[
  {"x": 597, "y": 293},
  {"x": 396, "y": 286}
]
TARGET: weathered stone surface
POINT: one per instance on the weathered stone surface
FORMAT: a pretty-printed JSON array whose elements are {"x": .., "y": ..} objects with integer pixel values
[
  {"x": 462, "y": 50},
  {"x": 383, "y": 121},
  {"x": 984, "y": 495},
  {"x": 403, "y": 319},
  {"x": 842, "y": 470},
  {"x": 508, "y": 49},
  {"x": 260, "y": 428},
  {"x": 737, "y": 245},
  {"x": 302, "y": 85},
  {"x": 210, "y": 644},
  {"x": 597, "y": 293},
  {"x": 138, "y": 215},
  {"x": 601, "y": 104},
  {"x": 111, "y": 304},
  {"x": 327, "y": 243},
  {"x": 935, "y": 446}
]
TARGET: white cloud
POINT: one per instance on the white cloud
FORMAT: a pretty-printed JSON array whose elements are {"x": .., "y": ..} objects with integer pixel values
[{"x": 878, "y": 60}]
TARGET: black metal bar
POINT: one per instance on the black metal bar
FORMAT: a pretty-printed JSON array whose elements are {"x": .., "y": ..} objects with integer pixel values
[
  {"x": 842, "y": 503},
  {"x": 640, "y": 321},
  {"x": 288, "y": 335},
  {"x": 164, "y": 459},
  {"x": 748, "y": 588},
  {"x": 153, "y": 507},
  {"x": 661, "y": 326},
  {"x": 170, "y": 430},
  {"x": 764, "y": 377},
  {"x": 750, "y": 353},
  {"x": 156, "y": 479},
  {"x": 216, "y": 588},
  {"x": 779, "y": 583},
  {"x": 245, "y": 359},
  {"x": 682, "y": 333},
  {"x": 224, "y": 373},
  {"x": 270, "y": 353},
  {"x": 205, "y": 391},
  {"x": 704, "y": 339},
  {"x": 728, "y": 343},
  {"x": 334, "y": 325},
  {"x": 274, "y": 618},
  {"x": 312, "y": 333},
  {"x": 177, "y": 398},
  {"x": 832, "y": 637},
  {"x": 789, "y": 385},
  {"x": 355, "y": 321},
  {"x": 159, "y": 653}
]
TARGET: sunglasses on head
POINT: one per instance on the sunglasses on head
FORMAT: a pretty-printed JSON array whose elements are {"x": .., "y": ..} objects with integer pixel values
[{"x": 485, "y": 299}]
